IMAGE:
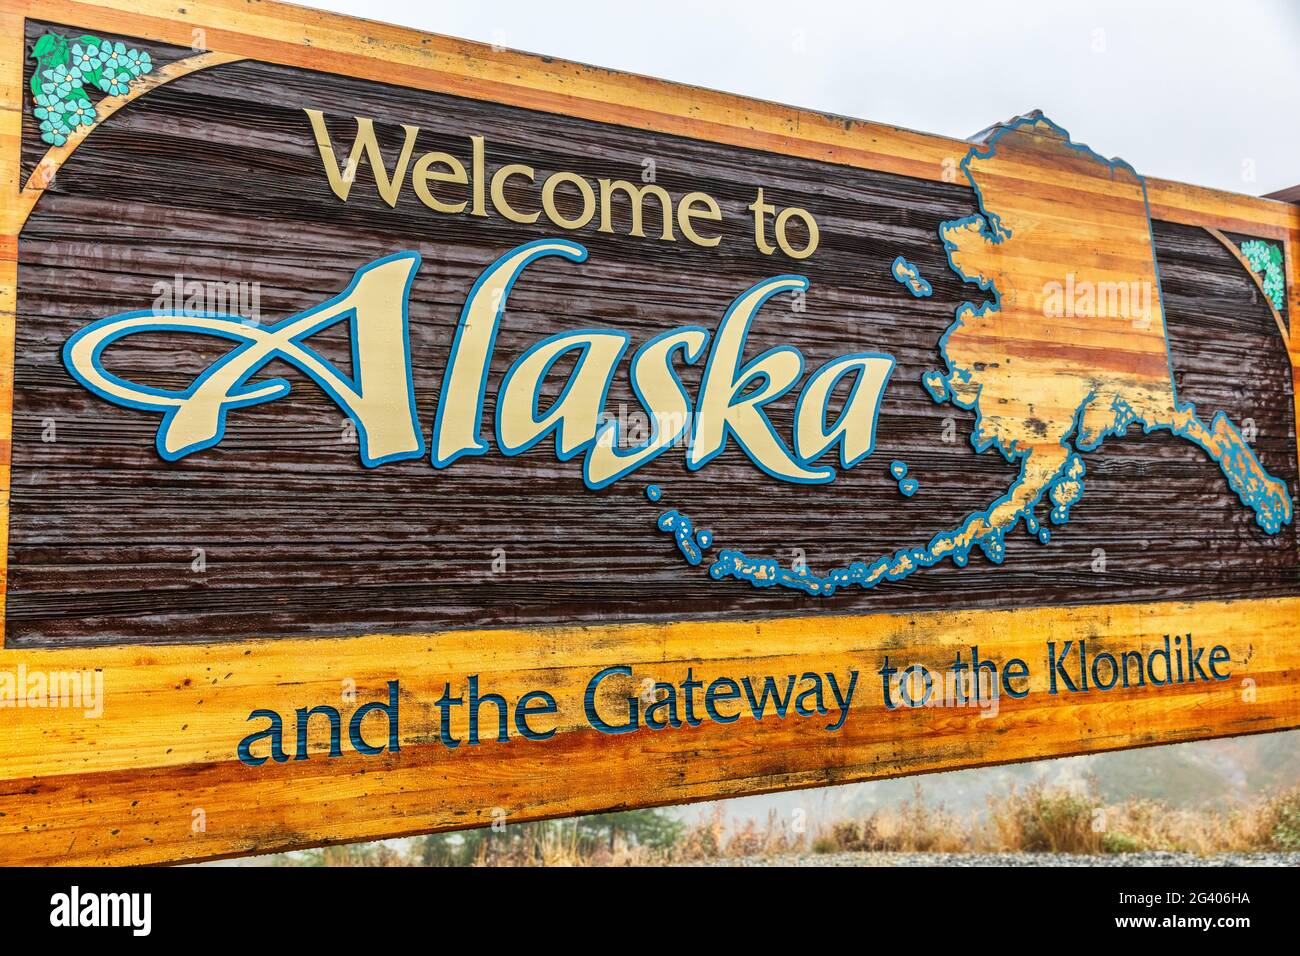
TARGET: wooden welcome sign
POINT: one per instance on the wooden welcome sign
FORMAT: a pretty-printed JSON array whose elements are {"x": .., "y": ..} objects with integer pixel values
[{"x": 400, "y": 435}]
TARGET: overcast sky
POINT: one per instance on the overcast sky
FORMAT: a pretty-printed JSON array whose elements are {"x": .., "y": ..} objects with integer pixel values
[{"x": 1206, "y": 93}]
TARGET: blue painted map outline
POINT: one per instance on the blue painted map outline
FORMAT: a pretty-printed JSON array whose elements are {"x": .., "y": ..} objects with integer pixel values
[{"x": 1065, "y": 488}]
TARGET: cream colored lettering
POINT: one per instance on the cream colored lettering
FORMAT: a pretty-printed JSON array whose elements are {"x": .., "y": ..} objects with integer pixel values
[
  {"x": 636, "y": 201},
  {"x": 480, "y": 176},
  {"x": 698, "y": 206},
  {"x": 585, "y": 194},
  {"x": 499, "y": 191},
  {"x": 576, "y": 413},
  {"x": 341, "y": 180},
  {"x": 460, "y": 400},
  {"x": 382, "y": 403},
  {"x": 810, "y": 227},
  {"x": 379, "y": 397},
  {"x": 855, "y": 429},
  {"x": 422, "y": 175},
  {"x": 665, "y": 400},
  {"x": 732, "y": 395}
]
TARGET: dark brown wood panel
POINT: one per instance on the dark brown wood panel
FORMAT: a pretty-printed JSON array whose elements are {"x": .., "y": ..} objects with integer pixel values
[{"x": 216, "y": 176}]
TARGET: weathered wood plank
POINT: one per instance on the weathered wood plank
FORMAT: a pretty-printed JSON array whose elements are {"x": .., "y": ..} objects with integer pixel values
[
  {"x": 282, "y": 571},
  {"x": 97, "y": 533},
  {"x": 161, "y": 749}
]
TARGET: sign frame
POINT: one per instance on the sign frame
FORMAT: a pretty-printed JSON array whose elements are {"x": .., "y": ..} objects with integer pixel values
[{"x": 132, "y": 786}]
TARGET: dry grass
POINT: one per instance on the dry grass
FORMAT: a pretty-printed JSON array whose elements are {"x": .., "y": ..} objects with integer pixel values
[
  {"x": 710, "y": 839},
  {"x": 1033, "y": 820},
  {"x": 1044, "y": 820},
  {"x": 914, "y": 827},
  {"x": 1039, "y": 820}
]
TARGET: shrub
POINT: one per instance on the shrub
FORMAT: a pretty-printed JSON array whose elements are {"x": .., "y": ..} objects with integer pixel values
[
  {"x": 1039, "y": 820},
  {"x": 1281, "y": 821}
]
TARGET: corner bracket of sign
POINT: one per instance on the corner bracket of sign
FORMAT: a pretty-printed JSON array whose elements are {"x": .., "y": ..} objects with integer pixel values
[
  {"x": 57, "y": 155},
  {"x": 1255, "y": 277}
]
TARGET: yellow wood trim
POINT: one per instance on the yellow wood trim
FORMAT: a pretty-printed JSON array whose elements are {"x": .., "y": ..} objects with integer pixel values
[
  {"x": 298, "y": 36},
  {"x": 12, "y": 103},
  {"x": 122, "y": 788}
]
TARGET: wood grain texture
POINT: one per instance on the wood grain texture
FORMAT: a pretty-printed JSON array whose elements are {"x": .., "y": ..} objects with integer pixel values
[
  {"x": 311, "y": 39},
  {"x": 103, "y": 531},
  {"x": 124, "y": 787}
]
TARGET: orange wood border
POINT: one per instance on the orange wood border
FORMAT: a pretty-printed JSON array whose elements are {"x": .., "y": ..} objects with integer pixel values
[{"x": 126, "y": 787}]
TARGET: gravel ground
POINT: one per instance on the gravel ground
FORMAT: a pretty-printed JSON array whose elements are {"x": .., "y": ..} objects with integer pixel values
[{"x": 1154, "y": 858}]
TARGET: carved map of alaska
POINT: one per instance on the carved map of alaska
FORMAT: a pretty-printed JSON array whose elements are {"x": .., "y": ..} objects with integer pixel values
[{"x": 1045, "y": 381}]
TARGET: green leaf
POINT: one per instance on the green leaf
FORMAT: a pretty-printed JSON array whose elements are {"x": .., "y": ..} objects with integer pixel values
[
  {"x": 50, "y": 51},
  {"x": 62, "y": 53},
  {"x": 44, "y": 45},
  {"x": 42, "y": 64},
  {"x": 1275, "y": 255}
]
